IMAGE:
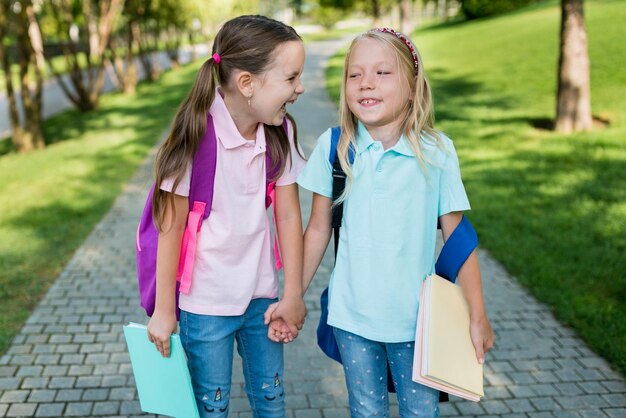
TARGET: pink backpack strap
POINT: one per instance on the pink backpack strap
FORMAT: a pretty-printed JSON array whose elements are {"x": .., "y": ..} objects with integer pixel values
[
  {"x": 189, "y": 245},
  {"x": 270, "y": 199}
]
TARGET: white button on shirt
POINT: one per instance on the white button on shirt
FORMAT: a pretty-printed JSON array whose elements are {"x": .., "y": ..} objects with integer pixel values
[{"x": 234, "y": 260}]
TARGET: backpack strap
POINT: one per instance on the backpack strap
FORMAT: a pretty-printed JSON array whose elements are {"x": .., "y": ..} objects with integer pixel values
[
  {"x": 456, "y": 250},
  {"x": 201, "y": 189},
  {"x": 339, "y": 182},
  {"x": 203, "y": 170}
]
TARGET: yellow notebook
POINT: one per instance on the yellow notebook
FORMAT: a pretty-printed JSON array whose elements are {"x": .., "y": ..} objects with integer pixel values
[{"x": 444, "y": 357}]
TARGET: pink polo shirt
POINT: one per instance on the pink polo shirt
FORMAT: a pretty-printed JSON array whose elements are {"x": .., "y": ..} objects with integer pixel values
[{"x": 235, "y": 258}]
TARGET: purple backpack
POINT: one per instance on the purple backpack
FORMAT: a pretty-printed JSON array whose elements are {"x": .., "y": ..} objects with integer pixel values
[{"x": 200, "y": 203}]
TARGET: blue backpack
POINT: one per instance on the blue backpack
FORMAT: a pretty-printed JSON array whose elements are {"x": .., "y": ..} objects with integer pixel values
[
  {"x": 200, "y": 203},
  {"x": 456, "y": 250}
]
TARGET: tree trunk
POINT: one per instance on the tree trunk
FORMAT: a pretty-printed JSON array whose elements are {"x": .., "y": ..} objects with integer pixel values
[
  {"x": 406, "y": 17},
  {"x": 86, "y": 83},
  {"x": 174, "y": 40},
  {"x": 442, "y": 8},
  {"x": 376, "y": 12},
  {"x": 28, "y": 135},
  {"x": 573, "y": 110},
  {"x": 121, "y": 67}
]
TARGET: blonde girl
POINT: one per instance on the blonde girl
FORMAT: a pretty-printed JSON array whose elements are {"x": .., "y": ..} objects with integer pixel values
[{"x": 404, "y": 179}]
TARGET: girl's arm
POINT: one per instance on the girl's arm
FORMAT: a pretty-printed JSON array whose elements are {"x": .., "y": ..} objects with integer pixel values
[
  {"x": 289, "y": 228},
  {"x": 316, "y": 237},
  {"x": 163, "y": 321},
  {"x": 469, "y": 278}
]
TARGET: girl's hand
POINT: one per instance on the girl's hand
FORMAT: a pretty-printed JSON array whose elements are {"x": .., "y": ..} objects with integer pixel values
[
  {"x": 482, "y": 336},
  {"x": 160, "y": 327},
  {"x": 278, "y": 331},
  {"x": 291, "y": 310}
]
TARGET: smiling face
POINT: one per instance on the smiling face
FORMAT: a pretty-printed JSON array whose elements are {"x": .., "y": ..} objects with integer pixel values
[
  {"x": 376, "y": 90},
  {"x": 280, "y": 84}
]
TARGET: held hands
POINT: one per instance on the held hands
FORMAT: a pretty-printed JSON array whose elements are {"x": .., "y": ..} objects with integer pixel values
[
  {"x": 285, "y": 319},
  {"x": 160, "y": 327},
  {"x": 482, "y": 336}
]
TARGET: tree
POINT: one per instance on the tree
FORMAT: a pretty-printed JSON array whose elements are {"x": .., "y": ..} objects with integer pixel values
[
  {"x": 18, "y": 21},
  {"x": 96, "y": 19},
  {"x": 573, "y": 109},
  {"x": 407, "y": 18},
  {"x": 175, "y": 19}
]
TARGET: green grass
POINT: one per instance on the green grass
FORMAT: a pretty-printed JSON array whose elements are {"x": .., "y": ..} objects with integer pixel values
[
  {"x": 51, "y": 199},
  {"x": 550, "y": 207}
]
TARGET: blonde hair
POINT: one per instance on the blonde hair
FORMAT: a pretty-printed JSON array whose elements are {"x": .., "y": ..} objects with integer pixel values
[{"x": 418, "y": 113}]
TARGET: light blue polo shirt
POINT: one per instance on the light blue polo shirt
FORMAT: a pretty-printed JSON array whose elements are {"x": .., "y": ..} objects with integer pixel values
[{"x": 387, "y": 239}]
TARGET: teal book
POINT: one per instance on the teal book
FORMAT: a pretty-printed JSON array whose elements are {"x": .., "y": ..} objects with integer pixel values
[{"x": 163, "y": 383}]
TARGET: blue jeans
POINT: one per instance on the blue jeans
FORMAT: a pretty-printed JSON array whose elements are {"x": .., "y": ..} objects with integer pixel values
[
  {"x": 209, "y": 341},
  {"x": 365, "y": 366}
]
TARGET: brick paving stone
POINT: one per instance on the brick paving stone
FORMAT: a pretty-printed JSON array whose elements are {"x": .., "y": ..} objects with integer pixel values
[
  {"x": 8, "y": 383},
  {"x": 88, "y": 381},
  {"x": 42, "y": 395},
  {"x": 95, "y": 394},
  {"x": 333, "y": 412},
  {"x": 615, "y": 400},
  {"x": 7, "y": 371},
  {"x": 29, "y": 371},
  {"x": 495, "y": 407},
  {"x": 50, "y": 410},
  {"x": 570, "y": 389},
  {"x": 545, "y": 389},
  {"x": 308, "y": 413},
  {"x": 593, "y": 387},
  {"x": 470, "y": 408},
  {"x": 54, "y": 371},
  {"x": 582, "y": 402},
  {"x": 21, "y": 410},
  {"x": 23, "y": 359},
  {"x": 566, "y": 414},
  {"x": 615, "y": 386},
  {"x": 520, "y": 405},
  {"x": 35, "y": 383},
  {"x": 616, "y": 412},
  {"x": 69, "y": 395},
  {"x": 448, "y": 409},
  {"x": 78, "y": 409},
  {"x": 545, "y": 404},
  {"x": 20, "y": 349},
  {"x": 105, "y": 408},
  {"x": 122, "y": 394},
  {"x": 14, "y": 396},
  {"x": 592, "y": 413}
]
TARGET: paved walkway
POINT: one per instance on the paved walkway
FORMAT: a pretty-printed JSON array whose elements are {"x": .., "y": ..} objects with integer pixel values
[{"x": 70, "y": 358}]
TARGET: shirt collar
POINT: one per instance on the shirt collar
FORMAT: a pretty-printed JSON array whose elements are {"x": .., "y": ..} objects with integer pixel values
[
  {"x": 364, "y": 140},
  {"x": 225, "y": 128}
]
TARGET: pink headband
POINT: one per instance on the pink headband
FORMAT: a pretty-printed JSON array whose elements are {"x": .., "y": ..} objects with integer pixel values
[
  {"x": 217, "y": 58},
  {"x": 404, "y": 39}
]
